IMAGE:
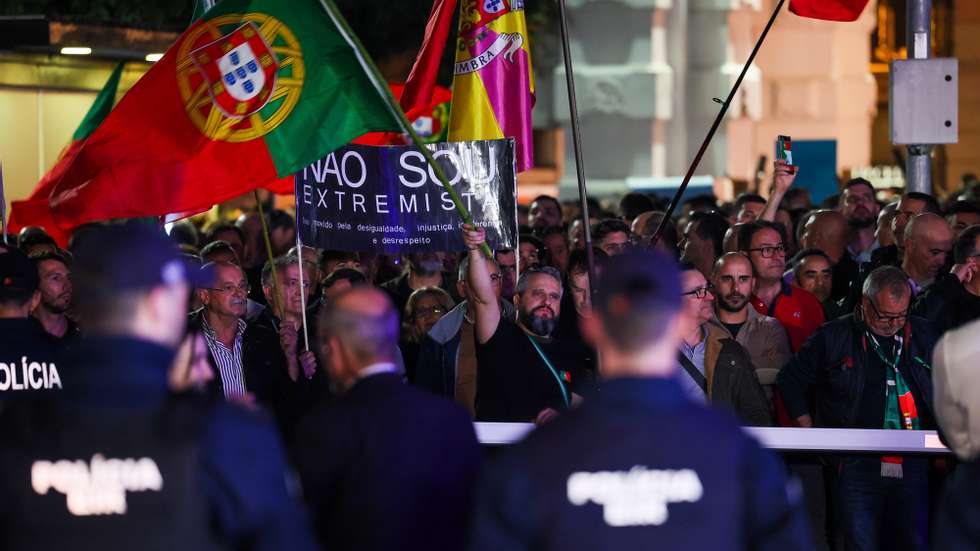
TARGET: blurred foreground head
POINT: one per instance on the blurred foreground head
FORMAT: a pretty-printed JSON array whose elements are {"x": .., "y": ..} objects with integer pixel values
[
  {"x": 635, "y": 312},
  {"x": 130, "y": 280},
  {"x": 358, "y": 328}
]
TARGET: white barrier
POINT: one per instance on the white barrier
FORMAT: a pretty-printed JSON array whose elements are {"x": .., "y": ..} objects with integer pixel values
[{"x": 779, "y": 438}]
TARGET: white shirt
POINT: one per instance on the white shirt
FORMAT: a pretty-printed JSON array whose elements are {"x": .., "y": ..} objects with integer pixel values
[{"x": 377, "y": 369}]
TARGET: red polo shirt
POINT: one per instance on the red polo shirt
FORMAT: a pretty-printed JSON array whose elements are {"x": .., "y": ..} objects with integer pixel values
[{"x": 797, "y": 309}]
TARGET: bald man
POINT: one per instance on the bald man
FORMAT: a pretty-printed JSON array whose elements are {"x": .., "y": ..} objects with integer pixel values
[
  {"x": 387, "y": 466},
  {"x": 928, "y": 241},
  {"x": 829, "y": 231},
  {"x": 763, "y": 337}
]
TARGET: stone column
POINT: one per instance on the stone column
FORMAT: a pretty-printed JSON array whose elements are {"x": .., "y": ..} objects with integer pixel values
[{"x": 625, "y": 91}]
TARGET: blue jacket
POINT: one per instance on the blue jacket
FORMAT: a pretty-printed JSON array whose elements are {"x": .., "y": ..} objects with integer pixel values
[
  {"x": 639, "y": 467},
  {"x": 221, "y": 468}
]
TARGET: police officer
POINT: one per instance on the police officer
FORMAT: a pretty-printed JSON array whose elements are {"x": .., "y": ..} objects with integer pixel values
[
  {"x": 639, "y": 466},
  {"x": 115, "y": 461},
  {"x": 28, "y": 355}
]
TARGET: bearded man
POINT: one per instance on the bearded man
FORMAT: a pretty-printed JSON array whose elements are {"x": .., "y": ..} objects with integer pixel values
[{"x": 524, "y": 373}]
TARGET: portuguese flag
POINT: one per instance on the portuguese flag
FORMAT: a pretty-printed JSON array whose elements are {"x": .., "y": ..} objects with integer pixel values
[
  {"x": 34, "y": 210},
  {"x": 251, "y": 92}
]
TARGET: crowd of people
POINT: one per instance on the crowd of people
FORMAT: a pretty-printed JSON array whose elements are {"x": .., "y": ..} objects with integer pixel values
[{"x": 364, "y": 372}]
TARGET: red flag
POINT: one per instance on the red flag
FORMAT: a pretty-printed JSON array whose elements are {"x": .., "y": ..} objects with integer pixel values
[
  {"x": 34, "y": 211},
  {"x": 247, "y": 95},
  {"x": 416, "y": 97},
  {"x": 830, "y": 10},
  {"x": 422, "y": 80}
]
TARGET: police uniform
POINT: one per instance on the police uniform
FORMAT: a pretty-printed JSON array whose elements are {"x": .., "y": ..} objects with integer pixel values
[
  {"x": 29, "y": 356},
  {"x": 29, "y": 359},
  {"x": 638, "y": 467},
  {"x": 115, "y": 461}
]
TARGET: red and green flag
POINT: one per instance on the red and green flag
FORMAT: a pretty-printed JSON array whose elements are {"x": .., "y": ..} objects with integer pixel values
[
  {"x": 34, "y": 210},
  {"x": 830, "y": 10},
  {"x": 250, "y": 93}
]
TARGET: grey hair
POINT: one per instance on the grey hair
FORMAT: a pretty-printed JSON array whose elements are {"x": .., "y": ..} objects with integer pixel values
[
  {"x": 464, "y": 266},
  {"x": 522, "y": 281},
  {"x": 370, "y": 338},
  {"x": 886, "y": 278}
]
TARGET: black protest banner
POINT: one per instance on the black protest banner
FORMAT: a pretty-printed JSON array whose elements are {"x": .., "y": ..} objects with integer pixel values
[{"x": 386, "y": 199}]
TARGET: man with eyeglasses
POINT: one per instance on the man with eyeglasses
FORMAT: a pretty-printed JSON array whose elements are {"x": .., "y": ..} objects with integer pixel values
[
  {"x": 953, "y": 300},
  {"x": 712, "y": 366},
  {"x": 249, "y": 363},
  {"x": 871, "y": 370},
  {"x": 796, "y": 309}
]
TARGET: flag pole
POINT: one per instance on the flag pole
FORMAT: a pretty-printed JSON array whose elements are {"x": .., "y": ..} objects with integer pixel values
[
  {"x": 277, "y": 302},
  {"x": 381, "y": 87},
  {"x": 3, "y": 209},
  {"x": 714, "y": 126},
  {"x": 577, "y": 145},
  {"x": 302, "y": 289}
]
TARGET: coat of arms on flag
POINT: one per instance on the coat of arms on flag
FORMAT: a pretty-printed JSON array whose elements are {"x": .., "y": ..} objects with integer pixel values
[{"x": 240, "y": 69}]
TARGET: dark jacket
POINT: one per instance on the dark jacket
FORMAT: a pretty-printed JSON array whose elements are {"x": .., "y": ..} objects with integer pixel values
[
  {"x": 641, "y": 466},
  {"x": 23, "y": 343},
  {"x": 438, "y": 357},
  {"x": 388, "y": 466},
  {"x": 266, "y": 375},
  {"x": 947, "y": 304},
  {"x": 210, "y": 475},
  {"x": 845, "y": 275},
  {"x": 958, "y": 519},
  {"x": 732, "y": 382},
  {"x": 834, "y": 361}
]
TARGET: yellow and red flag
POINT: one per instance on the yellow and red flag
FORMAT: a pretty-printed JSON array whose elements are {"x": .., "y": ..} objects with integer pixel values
[{"x": 493, "y": 82}]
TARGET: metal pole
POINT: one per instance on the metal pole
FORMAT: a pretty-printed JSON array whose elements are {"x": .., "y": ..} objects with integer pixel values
[
  {"x": 918, "y": 164},
  {"x": 714, "y": 126},
  {"x": 577, "y": 144}
]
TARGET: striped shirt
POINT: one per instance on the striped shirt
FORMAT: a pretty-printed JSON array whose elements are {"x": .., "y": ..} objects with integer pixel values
[{"x": 229, "y": 362}]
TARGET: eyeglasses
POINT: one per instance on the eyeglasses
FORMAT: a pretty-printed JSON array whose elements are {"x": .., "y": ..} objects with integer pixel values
[
  {"x": 769, "y": 252},
  {"x": 495, "y": 277},
  {"x": 889, "y": 318},
  {"x": 229, "y": 288},
  {"x": 432, "y": 311},
  {"x": 700, "y": 292}
]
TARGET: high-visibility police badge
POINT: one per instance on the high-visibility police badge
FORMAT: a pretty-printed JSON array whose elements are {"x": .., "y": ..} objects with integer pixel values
[{"x": 239, "y": 76}]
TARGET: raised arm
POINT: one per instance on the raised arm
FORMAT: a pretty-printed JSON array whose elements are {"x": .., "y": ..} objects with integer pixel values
[
  {"x": 782, "y": 178},
  {"x": 485, "y": 304}
]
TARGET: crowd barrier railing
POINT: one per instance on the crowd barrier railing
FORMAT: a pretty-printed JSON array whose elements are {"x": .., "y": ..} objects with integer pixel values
[{"x": 783, "y": 439}]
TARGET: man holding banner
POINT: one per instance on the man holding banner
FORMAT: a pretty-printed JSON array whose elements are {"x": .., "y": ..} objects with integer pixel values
[{"x": 523, "y": 372}]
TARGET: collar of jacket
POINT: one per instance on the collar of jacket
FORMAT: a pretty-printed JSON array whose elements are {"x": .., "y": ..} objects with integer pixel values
[
  {"x": 753, "y": 318},
  {"x": 642, "y": 391},
  {"x": 714, "y": 342},
  {"x": 117, "y": 371}
]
